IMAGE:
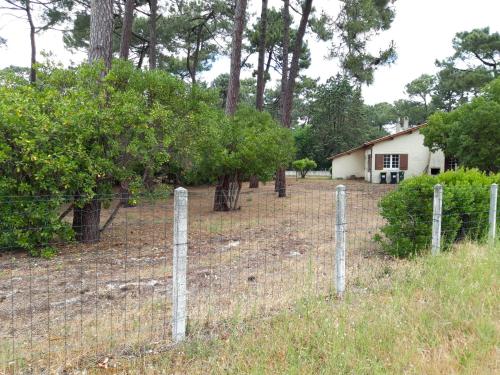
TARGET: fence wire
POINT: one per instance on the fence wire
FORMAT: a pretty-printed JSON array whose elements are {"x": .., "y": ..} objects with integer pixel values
[{"x": 93, "y": 303}]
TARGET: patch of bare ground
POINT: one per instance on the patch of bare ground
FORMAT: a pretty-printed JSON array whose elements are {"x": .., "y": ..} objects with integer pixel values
[{"x": 94, "y": 301}]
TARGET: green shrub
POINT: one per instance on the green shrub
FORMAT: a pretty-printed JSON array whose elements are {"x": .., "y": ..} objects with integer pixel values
[
  {"x": 303, "y": 166},
  {"x": 76, "y": 134},
  {"x": 32, "y": 223},
  {"x": 408, "y": 211}
]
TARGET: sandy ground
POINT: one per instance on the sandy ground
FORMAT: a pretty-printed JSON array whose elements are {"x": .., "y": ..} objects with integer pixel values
[{"x": 114, "y": 297}]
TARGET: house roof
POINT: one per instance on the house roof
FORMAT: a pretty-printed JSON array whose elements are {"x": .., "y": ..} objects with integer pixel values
[{"x": 378, "y": 140}]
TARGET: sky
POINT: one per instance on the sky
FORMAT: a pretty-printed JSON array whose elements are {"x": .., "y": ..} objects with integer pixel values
[{"x": 422, "y": 31}]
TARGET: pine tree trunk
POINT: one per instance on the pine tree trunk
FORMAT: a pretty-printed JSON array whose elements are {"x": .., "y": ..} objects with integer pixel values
[
  {"x": 153, "y": 6},
  {"x": 228, "y": 188},
  {"x": 261, "y": 79},
  {"x": 286, "y": 43},
  {"x": 126, "y": 37},
  {"x": 294, "y": 66},
  {"x": 290, "y": 75},
  {"x": 233, "y": 90},
  {"x": 101, "y": 31},
  {"x": 86, "y": 221},
  {"x": 32, "y": 42},
  {"x": 280, "y": 182}
]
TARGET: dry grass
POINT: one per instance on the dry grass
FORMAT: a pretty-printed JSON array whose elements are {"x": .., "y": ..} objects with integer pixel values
[
  {"x": 437, "y": 315},
  {"x": 113, "y": 298}
]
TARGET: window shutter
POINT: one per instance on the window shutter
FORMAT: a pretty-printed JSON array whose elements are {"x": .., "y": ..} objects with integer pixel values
[
  {"x": 403, "y": 162},
  {"x": 379, "y": 162}
]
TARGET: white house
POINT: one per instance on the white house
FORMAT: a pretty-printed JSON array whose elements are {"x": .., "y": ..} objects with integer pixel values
[{"x": 399, "y": 155}]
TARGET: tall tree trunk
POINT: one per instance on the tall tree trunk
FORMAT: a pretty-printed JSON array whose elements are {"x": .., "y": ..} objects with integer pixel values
[
  {"x": 294, "y": 66},
  {"x": 153, "y": 6},
  {"x": 233, "y": 90},
  {"x": 261, "y": 74},
  {"x": 289, "y": 88},
  {"x": 261, "y": 79},
  {"x": 86, "y": 219},
  {"x": 126, "y": 36},
  {"x": 32, "y": 41},
  {"x": 286, "y": 44},
  {"x": 101, "y": 31},
  {"x": 280, "y": 181},
  {"x": 228, "y": 188}
]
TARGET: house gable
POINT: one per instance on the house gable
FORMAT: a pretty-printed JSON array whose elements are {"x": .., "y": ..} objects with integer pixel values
[{"x": 389, "y": 137}]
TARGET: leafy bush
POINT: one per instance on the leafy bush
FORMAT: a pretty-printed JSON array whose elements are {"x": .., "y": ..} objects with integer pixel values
[
  {"x": 77, "y": 134},
  {"x": 408, "y": 211},
  {"x": 303, "y": 166}
]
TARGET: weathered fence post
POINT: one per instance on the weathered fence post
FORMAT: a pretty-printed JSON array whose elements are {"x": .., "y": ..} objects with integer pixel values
[
  {"x": 340, "y": 240},
  {"x": 493, "y": 213},
  {"x": 436, "y": 219},
  {"x": 179, "y": 296}
]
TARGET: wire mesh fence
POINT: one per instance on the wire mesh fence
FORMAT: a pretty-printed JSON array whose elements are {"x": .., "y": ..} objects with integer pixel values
[
  {"x": 121, "y": 295},
  {"x": 92, "y": 299}
]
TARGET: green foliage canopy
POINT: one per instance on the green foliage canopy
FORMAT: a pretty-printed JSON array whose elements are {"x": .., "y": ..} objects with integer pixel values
[
  {"x": 481, "y": 45},
  {"x": 421, "y": 87},
  {"x": 471, "y": 133},
  {"x": 249, "y": 144},
  {"x": 356, "y": 24}
]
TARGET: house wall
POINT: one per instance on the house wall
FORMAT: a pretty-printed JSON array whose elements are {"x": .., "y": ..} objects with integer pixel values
[
  {"x": 420, "y": 159},
  {"x": 350, "y": 165}
]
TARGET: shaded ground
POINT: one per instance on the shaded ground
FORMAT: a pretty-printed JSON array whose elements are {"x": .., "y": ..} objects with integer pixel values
[{"x": 114, "y": 297}]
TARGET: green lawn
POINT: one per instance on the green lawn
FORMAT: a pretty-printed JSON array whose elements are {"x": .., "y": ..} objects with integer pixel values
[{"x": 436, "y": 316}]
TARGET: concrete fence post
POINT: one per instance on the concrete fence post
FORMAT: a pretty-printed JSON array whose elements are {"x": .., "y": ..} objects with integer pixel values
[
  {"x": 493, "y": 213},
  {"x": 340, "y": 240},
  {"x": 436, "y": 219},
  {"x": 180, "y": 242}
]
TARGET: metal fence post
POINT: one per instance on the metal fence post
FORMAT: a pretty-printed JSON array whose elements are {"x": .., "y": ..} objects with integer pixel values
[
  {"x": 493, "y": 213},
  {"x": 436, "y": 219},
  {"x": 340, "y": 240},
  {"x": 179, "y": 295}
]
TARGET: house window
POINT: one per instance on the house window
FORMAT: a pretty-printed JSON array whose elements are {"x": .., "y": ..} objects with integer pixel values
[
  {"x": 395, "y": 161},
  {"x": 450, "y": 164},
  {"x": 391, "y": 161}
]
